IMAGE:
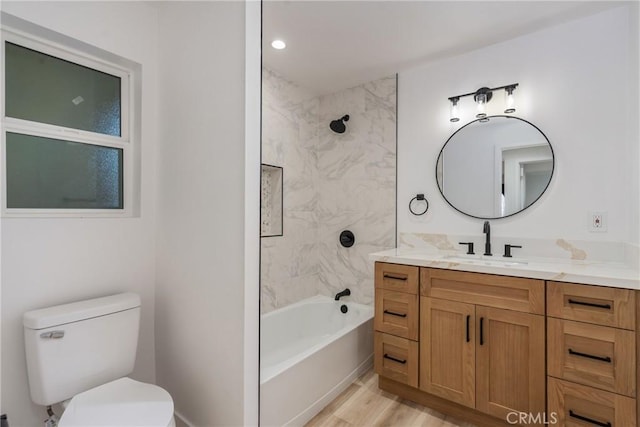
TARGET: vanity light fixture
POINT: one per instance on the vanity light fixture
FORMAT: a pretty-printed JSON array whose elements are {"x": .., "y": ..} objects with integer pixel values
[{"x": 482, "y": 96}]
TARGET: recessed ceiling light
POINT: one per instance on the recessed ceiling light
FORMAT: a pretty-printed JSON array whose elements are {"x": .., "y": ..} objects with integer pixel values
[{"x": 278, "y": 44}]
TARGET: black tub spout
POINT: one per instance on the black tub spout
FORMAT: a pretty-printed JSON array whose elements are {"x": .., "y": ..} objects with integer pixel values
[{"x": 344, "y": 293}]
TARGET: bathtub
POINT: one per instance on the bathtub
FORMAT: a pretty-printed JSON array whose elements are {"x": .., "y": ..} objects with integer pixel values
[{"x": 309, "y": 353}]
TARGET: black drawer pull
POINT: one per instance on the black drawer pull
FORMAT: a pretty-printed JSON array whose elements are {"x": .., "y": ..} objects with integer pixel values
[
  {"x": 590, "y": 356},
  {"x": 390, "y": 276},
  {"x": 590, "y": 304},
  {"x": 482, "y": 331},
  {"x": 395, "y": 314},
  {"x": 386, "y": 356},
  {"x": 468, "y": 337},
  {"x": 589, "y": 420}
]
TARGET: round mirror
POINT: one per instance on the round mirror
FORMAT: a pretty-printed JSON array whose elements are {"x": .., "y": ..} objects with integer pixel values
[{"x": 495, "y": 167}]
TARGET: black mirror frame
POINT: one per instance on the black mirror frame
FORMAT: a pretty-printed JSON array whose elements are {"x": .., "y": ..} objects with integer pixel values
[{"x": 553, "y": 167}]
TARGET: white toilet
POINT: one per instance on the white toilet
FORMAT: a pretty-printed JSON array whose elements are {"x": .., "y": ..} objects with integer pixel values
[{"x": 79, "y": 354}]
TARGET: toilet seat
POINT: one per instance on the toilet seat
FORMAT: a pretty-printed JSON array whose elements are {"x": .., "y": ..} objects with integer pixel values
[{"x": 122, "y": 403}]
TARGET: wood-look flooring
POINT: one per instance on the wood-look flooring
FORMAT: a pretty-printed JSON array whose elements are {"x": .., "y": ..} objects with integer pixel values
[{"x": 363, "y": 404}]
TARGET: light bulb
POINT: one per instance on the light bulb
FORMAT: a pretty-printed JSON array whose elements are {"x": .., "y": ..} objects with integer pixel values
[
  {"x": 481, "y": 100},
  {"x": 455, "y": 115},
  {"x": 509, "y": 100}
]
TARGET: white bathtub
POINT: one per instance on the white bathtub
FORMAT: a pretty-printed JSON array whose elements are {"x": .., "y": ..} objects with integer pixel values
[{"x": 309, "y": 353}]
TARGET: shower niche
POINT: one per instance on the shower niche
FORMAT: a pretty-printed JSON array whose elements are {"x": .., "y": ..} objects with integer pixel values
[{"x": 271, "y": 201}]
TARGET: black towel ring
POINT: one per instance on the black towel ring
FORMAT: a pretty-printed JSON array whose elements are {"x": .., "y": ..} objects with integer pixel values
[{"x": 419, "y": 197}]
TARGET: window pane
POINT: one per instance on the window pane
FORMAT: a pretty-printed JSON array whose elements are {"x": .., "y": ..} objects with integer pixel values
[
  {"x": 45, "y": 173},
  {"x": 47, "y": 89}
]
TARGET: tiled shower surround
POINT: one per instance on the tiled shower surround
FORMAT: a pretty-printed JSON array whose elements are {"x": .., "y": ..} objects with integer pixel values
[{"x": 332, "y": 182}]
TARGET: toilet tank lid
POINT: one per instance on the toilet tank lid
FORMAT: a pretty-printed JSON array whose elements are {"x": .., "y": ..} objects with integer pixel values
[{"x": 81, "y": 310}]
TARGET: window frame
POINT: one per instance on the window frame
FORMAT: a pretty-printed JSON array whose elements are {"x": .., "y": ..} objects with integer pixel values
[{"x": 39, "y": 129}]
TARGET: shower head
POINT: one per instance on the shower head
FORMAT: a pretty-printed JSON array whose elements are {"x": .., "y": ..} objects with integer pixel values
[{"x": 338, "y": 125}]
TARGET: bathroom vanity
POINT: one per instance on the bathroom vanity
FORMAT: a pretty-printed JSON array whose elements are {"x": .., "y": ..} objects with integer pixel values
[{"x": 532, "y": 345}]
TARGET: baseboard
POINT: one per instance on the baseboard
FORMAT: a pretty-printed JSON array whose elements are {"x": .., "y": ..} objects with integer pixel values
[
  {"x": 181, "y": 420},
  {"x": 313, "y": 410}
]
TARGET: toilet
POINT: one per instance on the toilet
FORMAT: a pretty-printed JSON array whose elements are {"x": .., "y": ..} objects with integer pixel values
[{"x": 80, "y": 354}]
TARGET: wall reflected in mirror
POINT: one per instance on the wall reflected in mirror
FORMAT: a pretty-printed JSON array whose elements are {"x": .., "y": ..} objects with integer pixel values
[{"x": 496, "y": 168}]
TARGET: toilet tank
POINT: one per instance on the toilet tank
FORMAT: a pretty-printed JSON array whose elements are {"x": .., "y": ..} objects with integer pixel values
[{"x": 74, "y": 347}]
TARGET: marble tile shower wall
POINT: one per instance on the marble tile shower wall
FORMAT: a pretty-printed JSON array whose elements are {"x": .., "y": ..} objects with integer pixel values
[
  {"x": 331, "y": 183},
  {"x": 357, "y": 185},
  {"x": 289, "y": 268}
]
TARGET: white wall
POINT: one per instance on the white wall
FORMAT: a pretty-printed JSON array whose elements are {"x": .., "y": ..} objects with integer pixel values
[
  {"x": 252, "y": 78},
  {"x": 576, "y": 84},
  {"x": 633, "y": 113},
  {"x": 52, "y": 261},
  {"x": 200, "y": 251}
]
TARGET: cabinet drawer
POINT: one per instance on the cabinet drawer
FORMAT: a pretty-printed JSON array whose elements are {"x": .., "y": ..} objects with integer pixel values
[
  {"x": 396, "y": 358},
  {"x": 577, "y": 405},
  {"x": 397, "y": 277},
  {"x": 512, "y": 293},
  {"x": 592, "y": 304},
  {"x": 597, "y": 356},
  {"x": 396, "y": 313}
]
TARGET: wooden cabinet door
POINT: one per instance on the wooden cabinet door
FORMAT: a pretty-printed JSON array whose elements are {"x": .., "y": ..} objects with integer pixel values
[
  {"x": 447, "y": 350},
  {"x": 510, "y": 362}
]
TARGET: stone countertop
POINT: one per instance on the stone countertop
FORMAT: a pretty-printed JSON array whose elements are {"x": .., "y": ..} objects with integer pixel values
[{"x": 616, "y": 275}]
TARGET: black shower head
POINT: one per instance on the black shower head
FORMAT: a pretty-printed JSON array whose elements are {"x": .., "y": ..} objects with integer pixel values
[{"x": 338, "y": 125}]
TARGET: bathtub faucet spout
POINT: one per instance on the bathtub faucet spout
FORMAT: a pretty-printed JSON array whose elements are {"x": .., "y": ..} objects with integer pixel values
[{"x": 344, "y": 293}]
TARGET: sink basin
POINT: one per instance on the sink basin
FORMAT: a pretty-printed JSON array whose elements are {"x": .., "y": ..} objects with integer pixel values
[{"x": 484, "y": 260}]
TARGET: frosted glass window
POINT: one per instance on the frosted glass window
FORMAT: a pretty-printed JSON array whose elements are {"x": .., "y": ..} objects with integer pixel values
[
  {"x": 46, "y": 173},
  {"x": 46, "y": 89}
]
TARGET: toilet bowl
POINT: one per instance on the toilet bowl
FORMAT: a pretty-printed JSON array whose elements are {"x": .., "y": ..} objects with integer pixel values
[{"x": 123, "y": 402}]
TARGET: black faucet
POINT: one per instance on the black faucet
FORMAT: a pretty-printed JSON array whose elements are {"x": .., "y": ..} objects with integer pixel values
[
  {"x": 487, "y": 243},
  {"x": 469, "y": 247},
  {"x": 507, "y": 250},
  {"x": 344, "y": 293}
]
